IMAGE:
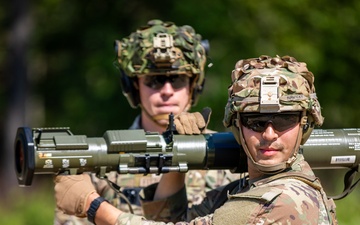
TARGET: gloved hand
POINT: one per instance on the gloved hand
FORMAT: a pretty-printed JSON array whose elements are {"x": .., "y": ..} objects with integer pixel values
[
  {"x": 192, "y": 123},
  {"x": 71, "y": 193}
]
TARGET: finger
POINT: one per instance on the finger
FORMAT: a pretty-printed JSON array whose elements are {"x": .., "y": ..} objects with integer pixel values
[
  {"x": 184, "y": 119},
  {"x": 80, "y": 177},
  {"x": 178, "y": 126},
  {"x": 193, "y": 124},
  {"x": 200, "y": 122}
]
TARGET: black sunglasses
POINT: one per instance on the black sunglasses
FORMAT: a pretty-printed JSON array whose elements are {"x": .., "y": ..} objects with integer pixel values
[
  {"x": 156, "y": 82},
  {"x": 258, "y": 122}
]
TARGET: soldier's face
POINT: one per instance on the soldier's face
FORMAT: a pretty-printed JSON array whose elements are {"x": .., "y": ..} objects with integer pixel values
[
  {"x": 164, "y": 95},
  {"x": 271, "y": 146}
]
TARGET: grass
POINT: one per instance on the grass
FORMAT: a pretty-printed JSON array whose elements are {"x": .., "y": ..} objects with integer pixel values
[{"x": 28, "y": 206}]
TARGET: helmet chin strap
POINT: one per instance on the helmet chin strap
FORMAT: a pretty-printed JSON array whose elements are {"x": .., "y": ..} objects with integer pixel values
[{"x": 276, "y": 168}]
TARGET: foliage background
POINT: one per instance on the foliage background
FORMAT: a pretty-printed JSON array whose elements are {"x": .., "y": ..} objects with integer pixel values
[{"x": 56, "y": 70}]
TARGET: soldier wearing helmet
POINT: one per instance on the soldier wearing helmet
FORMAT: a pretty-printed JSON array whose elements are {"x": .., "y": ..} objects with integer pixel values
[
  {"x": 271, "y": 109},
  {"x": 267, "y": 89},
  {"x": 154, "y": 55},
  {"x": 162, "y": 71}
]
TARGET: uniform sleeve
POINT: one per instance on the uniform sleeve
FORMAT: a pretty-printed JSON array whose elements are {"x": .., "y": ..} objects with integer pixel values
[{"x": 131, "y": 219}]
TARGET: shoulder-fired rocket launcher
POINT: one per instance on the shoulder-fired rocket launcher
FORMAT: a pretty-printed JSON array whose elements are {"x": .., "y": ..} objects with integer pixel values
[{"x": 58, "y": 150}]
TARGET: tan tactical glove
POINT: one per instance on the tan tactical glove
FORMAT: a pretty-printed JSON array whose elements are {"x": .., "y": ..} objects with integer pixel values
[
  {"x": 192, "y": 123},
  {"x": 71, "y": 193}
]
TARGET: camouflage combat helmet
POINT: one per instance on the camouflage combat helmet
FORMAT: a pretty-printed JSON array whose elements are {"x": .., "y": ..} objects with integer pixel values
[
  {"x": 272, "y": 85},
  {"x": 161, "y": 48}
]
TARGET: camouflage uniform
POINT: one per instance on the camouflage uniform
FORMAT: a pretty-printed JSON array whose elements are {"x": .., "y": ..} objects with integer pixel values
[
  {"x": 294, "y": 196},
  {"x": 63, "y": 219}
]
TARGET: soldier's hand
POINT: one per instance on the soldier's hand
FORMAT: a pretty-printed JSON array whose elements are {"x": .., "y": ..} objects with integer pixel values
[
  {"x": 71, "y": 193},
  {"x": 192, "y": 123}
]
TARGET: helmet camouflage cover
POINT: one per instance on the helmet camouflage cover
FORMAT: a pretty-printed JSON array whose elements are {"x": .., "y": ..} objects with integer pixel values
[
  {"x": 162, "y": 48},
  {"x": 270, "y": 85}
]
